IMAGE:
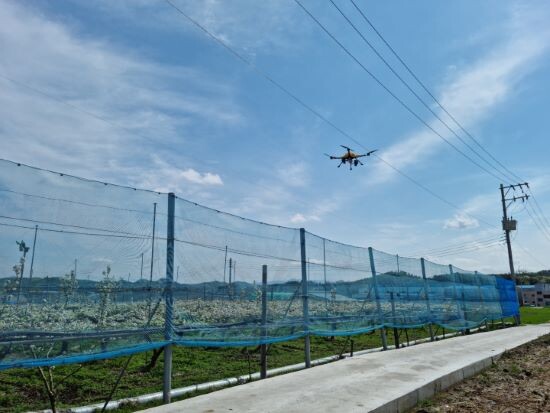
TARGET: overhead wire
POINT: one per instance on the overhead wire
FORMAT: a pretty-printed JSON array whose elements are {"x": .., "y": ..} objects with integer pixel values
[
  {"x": 391, "y": 93},
  {"x": 310, "y": 109},
  {"x": 432, "y": 96},
  {"x": 415, "y": 94},
  {"x": 457, "y": 245},
  {"x": 506, "y": 172}
]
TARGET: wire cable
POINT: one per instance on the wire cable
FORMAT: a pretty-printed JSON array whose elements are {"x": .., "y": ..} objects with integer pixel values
[
  {"x": 439, "y": 104},
  {"x": 416, "y": 95},
  {"x": 392, "y": 94},
  {"x": 302, "y": 103}
]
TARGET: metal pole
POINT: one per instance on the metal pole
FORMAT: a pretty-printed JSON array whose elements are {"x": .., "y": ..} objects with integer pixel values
[
  {"x": 481, "y": 300},
  {"x": 141, "y": 271},
  {"x": 377, "y": 295},
  {"x": 455, "y": 295},
  {"x": 426, "y": 289},
  {"x": 152, "y": 260},
  {"x": 263, "y": 346},
  {"x": 395, "y": 332},
  {"x": 398, "y": 269},
  {"x": 32, "y": 263},
  {"x": 153, "y": 241},
  {"x": 225, "y": 264},
  {"x": 169, "y": 301},
  {"x": 325, "y": 270},
  {"x": 32, "y": 255},
  {"x": 305, "y": 304}
]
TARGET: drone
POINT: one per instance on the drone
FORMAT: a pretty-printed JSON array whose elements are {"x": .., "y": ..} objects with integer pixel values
[{"x": 350, "y": 157}]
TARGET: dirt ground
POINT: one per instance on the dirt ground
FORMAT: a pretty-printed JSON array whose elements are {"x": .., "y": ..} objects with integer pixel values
[{"x": 518, "y": 382}]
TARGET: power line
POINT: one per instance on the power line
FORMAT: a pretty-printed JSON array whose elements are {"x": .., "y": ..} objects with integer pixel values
[
  {"x": 537, "y": 222},
  {"x": 458, "y": 245},
  {"x": 302, "y": 103},
  {"x": 408, "y": 86},
  {"x": 508, "y": 174},
  {"x": 471, "y": 248},
  {"x": 407, "y": 67},
  {"x": 391, "y": 93}
]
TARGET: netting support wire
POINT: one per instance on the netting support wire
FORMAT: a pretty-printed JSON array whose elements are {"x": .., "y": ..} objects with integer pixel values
[
  {"x": 427, "y": 292},
  {"x": 459, "y": 313},
  {"x": 263, "y": 346},
  {"x": 305, "y": 303},
  {"x": 169, "y": 303},
  {"x": 377, "y": 296}
]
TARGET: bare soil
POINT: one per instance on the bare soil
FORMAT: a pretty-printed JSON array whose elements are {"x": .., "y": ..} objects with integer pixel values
[{"x": 518, "y": 382}]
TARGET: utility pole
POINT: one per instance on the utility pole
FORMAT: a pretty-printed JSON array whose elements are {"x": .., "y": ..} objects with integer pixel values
[{"x": 509, "y": 224}]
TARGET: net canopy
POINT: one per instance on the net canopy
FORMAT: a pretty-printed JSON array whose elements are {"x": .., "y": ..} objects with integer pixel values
[{"x": 90, "y": 270}]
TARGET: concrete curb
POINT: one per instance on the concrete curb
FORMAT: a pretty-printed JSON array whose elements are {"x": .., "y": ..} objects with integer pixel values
[{"x": 410, "y": 400}]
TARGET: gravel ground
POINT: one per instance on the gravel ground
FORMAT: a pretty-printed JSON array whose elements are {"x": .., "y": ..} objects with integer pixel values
[{"x": 518, "y": 382}]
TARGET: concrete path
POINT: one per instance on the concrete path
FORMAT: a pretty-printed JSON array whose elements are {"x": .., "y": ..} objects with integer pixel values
[{"x": 390, "y": 381}]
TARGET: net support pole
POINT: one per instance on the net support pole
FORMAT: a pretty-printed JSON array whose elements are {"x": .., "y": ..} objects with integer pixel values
[
  {"x": 169, "y": 301},
  {"x": 305, "y": 303},
  {"x": 377, "y": 296},
  {"x": 263, "y": 346},
  {"x": 459, "y": 312},
  {"x": 426, "y": 289},
  {"x": 481, "y": 302},
  {"x": 395, "y": 332}
]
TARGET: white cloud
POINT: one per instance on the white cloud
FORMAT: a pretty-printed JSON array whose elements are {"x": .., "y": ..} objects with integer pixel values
[
  {"x": 461, "y": 221},
  {"x": 168, "y": 178},
  {"x": 298, "y": 218},
  {"x": 474, "y": 91},
  {"x": 206, "y": 178},
  {"x": 249, "y": 26},
  {"x": 119, "y": 108}
]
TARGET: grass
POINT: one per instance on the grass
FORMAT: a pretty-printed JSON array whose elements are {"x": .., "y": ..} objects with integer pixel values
[
  {"x": 535, "y": 315},
  {"x": 23, "y": 390}
]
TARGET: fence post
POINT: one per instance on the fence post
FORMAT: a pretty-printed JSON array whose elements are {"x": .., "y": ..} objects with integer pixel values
[
  {"x": 377, "y": 296},
  {"x": 395, "y": 332},
  {"x": 169, "y": 301},
  {"x": 481, "y": 300},
  {"x": 455, "y": 296},
  {"x": 426, "y": 289},
  {"x": 263, "y": 346},
  {"x": 305, "y": 304}
]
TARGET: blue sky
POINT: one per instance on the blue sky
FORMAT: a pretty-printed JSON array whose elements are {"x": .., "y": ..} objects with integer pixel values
[{"x": 154, "y": 103}]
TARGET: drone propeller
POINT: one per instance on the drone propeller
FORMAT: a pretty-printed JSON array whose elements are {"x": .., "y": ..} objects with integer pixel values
[
  {"x": 366, "y": 154},
  {"x": 332, "y": 157},
  {"x": 345, "y": 147}
]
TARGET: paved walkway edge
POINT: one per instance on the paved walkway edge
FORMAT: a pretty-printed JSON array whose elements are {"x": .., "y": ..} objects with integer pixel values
[
  {"x": 409, "y": 400},
  {"x": 389, "y": 381}
]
